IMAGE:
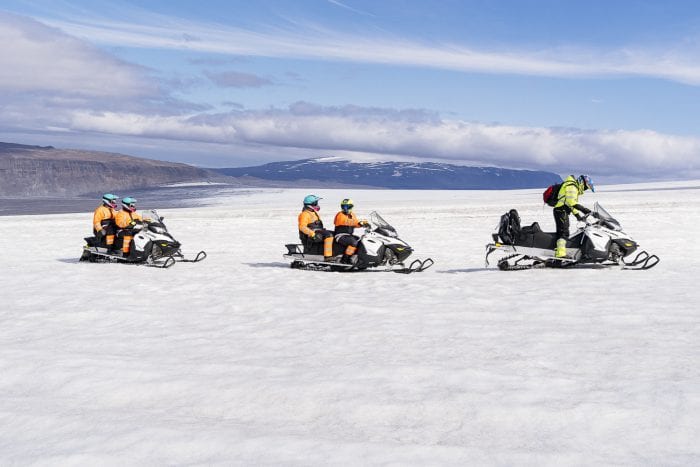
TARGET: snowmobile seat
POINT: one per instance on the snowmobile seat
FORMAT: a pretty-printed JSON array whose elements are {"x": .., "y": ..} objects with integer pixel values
[
  {"x": 316, "y": 248},
  {"x": 311, "y": 248},
  {"x": 531, "y": 236},
  {"x": 532, "y": 229}
]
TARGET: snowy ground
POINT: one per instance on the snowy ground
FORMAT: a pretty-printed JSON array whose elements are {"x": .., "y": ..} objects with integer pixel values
[{"x": 240, "y": 360}]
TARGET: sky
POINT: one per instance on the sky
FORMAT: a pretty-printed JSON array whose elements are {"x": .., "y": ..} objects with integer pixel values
[{"x": 606, "y": 88}]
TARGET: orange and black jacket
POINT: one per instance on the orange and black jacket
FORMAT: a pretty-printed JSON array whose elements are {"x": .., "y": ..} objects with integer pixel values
[
  {"x": 309, "y": 221},
  {"x": 125, "y": 219},
  {"x": 102, "y": 217},
  {"x": 346, "y": 223}
]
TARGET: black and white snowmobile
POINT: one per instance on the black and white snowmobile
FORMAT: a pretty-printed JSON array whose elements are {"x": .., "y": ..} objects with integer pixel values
[
  {"x": 152, "y": 245},
  {"x": 600, "y": 240},
  {"x": 379, "y": 247}
]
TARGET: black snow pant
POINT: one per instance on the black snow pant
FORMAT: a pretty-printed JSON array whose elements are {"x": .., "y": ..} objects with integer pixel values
[
  {"x": 561, "y": 219},
  {"x": 347, "y": 240},
  {"x": 106, "y": 240}
]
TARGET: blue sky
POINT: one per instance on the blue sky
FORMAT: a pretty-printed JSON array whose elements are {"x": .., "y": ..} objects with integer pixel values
[{"x": 608, "y": 88}]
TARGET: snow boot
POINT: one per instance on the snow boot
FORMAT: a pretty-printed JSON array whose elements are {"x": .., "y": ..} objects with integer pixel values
[{"x": 560, "y": 251}]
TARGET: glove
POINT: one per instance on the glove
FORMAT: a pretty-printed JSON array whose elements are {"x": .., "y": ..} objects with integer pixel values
[
  {"x": 316, "y": 237},
  {"x": 580, "y": 217},
  {"x": 364, "y": 223},
  {"x": 595, "y": 214},
  {"x": 100, "y": 233}
]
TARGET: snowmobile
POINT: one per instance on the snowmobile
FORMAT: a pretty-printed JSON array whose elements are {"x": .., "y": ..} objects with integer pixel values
[
  {"x": 379, "y": 247},
  {"x": 600, "y": 240},
  {"x": 152, "y": 245}
]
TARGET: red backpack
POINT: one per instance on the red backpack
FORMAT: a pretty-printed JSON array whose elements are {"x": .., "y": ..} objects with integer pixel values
[{"x": 551, "y": 194}]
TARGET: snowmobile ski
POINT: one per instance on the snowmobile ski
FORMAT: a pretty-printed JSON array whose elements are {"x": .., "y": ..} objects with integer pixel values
[
  {"x": 641, "y": 262},
  {"x": 416, "y": 265},
  {"x": 180, "y": 258}
]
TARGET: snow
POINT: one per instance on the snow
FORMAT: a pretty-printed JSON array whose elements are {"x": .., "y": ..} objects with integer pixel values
[
  {"x": 193, "y": 184},
  {"x": 240, "y": 360}
]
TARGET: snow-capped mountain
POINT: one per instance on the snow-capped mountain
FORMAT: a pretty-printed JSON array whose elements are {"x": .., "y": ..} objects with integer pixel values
[{"x": 399, "y": 175}]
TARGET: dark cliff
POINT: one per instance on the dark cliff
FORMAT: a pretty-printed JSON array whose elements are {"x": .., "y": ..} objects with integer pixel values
[{"x": 36, "y": 171}]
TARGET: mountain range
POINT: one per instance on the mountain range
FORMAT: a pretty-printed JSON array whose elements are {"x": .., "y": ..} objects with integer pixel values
[
  {"x": 397, "y": 175},
  {"x": 45, "y": 171}
]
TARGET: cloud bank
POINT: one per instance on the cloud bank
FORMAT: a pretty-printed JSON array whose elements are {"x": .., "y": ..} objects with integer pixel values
[{"x": 420, "y": 135}]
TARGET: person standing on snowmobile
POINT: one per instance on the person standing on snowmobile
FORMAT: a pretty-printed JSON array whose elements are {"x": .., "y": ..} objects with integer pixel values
[
  {"x": 567, "y": 203},
  {"x": 345, "y": 223},
  {"x": 311, "y": 227},
  {"x": 127, "y": 220},
  {"x": 103, "y": 220}
]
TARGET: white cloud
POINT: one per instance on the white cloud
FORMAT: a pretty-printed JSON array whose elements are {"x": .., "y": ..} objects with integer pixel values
[
  {"x": 316, "y": 42},
  {"x": 38, "y": 58},
  {"x": 368, "y": 131}
]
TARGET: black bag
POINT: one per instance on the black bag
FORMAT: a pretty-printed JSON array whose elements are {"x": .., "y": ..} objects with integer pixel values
[{"x": 509, "y": 227}]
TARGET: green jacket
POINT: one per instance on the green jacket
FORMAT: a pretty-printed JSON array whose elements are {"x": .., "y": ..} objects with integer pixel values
[{"x": 568, "y": 195}]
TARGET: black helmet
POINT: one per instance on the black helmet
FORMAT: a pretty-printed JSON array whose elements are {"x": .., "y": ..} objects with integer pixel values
[{"x": 586, "y": 182}]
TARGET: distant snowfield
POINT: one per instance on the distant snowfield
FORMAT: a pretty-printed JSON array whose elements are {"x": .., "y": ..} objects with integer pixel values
[{"x": 240, "y": 360}]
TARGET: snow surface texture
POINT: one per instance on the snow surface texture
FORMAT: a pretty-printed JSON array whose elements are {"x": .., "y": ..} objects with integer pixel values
[{"x": 240, "y": 360}]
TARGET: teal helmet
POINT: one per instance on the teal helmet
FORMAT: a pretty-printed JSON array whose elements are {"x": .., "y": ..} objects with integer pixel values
[
  {"x": 311, "y": 200},
  {"x": 110, "y": 200},
  {"x": 586, "y": 182},
  {"x": 129, "y": 203}
]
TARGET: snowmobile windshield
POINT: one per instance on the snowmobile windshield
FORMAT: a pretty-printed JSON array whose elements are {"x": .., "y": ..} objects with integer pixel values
[
  {"x": 381, "y": 225},
  {"x": 606, "y": 218},
  {"x": 151, "y": 214}
]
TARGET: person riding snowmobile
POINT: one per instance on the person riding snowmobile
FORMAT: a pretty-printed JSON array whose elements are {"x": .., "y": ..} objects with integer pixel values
[
  {"x": 311, "y": 227},
  {"x": 103, "y": 220},
  {"x": 127, "y": 219},
  {"x": 345, "y": 222},
  {"x": 567, "y": 203}
]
